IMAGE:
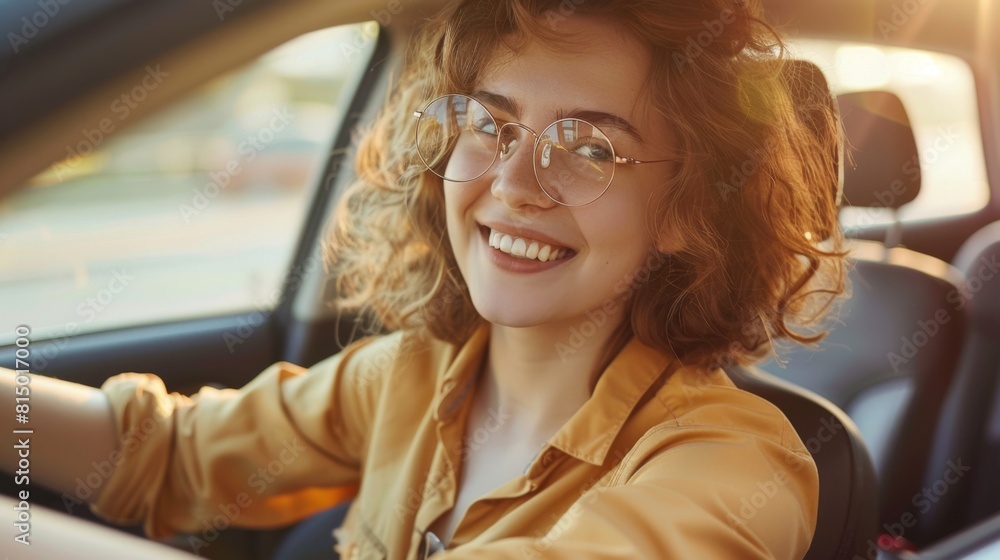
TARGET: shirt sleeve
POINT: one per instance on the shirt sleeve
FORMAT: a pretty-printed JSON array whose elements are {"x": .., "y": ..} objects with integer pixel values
[
  {"x": 718, "y": 494},
  {"x": 264, "y": 455}
]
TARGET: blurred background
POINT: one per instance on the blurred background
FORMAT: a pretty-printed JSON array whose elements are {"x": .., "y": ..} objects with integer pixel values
[{"x": 192, "y": 213}]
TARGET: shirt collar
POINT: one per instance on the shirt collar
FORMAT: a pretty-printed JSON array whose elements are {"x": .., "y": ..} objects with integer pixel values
[
  {"x": 457, "y": 380},
  {"x": 589, "y": 433}
]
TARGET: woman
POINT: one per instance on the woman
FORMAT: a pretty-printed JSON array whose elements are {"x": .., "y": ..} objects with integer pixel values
[{"x": 571, "y": 214}]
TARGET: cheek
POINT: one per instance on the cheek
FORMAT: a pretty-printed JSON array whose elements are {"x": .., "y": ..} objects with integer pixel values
[
  {"x": 470, "y": 158},
  {"x": 458, "y": 200},
  {"x": 620, "y": 224},
  {"x": 453, "y": 205},
  {"x": 619, "y": 241},
  {"x": 459, "y": 196}
]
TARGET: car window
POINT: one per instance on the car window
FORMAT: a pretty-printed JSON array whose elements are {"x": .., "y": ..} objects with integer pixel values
[
  {"x": 939, "y": 94},
  {"x": 192, "y": 213}
]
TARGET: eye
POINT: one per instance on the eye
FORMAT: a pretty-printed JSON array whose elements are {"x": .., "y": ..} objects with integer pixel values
[
  {"x": 594, "y": 149},
  {"x": 485, "y": 125}
]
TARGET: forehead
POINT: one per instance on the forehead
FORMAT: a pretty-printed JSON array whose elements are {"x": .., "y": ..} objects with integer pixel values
[{"x": 594, "y": 64}]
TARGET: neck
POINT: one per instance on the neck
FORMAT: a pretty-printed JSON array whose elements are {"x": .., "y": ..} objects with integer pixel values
[{"x": 540, "y": 376}]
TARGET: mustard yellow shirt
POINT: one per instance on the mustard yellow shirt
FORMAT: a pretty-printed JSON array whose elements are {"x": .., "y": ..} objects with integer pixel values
[{"x": 663, "y": 461}]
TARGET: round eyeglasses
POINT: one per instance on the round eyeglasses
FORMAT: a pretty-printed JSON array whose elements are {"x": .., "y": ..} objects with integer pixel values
[{"x": 459, "y": 140}]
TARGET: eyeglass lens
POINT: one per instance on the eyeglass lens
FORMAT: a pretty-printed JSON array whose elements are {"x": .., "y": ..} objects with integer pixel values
[{"x": 459, "y": 140}]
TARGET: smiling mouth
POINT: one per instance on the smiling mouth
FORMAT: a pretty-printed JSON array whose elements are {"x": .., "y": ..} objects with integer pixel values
[{"x": 524, "y": 247}]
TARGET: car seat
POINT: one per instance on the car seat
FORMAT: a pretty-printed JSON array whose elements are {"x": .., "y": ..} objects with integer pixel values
[
  {"x": 969, "y": 432},
  {"x": 894, "y": 344}
]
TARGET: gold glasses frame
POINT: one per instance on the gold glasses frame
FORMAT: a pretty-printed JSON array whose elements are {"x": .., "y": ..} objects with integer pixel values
[{"x": 503, "y": 149}]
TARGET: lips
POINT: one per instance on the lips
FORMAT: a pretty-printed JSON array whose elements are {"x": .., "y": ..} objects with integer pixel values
[{"x": 525, "y": 247}]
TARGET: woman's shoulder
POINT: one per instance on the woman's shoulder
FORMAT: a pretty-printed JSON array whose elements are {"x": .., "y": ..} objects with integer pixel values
[
  {"x": 723, "y": 447},
  {"x": 705, "y": 404},
  {"x": 724, "y": 456}
]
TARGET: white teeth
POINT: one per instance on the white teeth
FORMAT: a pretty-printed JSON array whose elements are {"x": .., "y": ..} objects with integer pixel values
[
  {"x": 525, "y": 248},
  {"x": 518, "y": 248}
]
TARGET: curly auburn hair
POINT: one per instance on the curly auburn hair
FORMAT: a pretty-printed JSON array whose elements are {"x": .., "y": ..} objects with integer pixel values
[{"x": 754, "y": 201}]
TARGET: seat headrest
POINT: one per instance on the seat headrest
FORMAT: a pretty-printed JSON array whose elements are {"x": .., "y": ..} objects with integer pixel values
[{"x": 883, "y": 169}]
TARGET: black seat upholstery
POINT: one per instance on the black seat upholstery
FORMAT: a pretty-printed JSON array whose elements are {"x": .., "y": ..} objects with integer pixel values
[
  {"x": 888, "y": 362},
  {"x": 890, "y": 356},
  {"x": 847, "y": 525},
  {"x": 969, "y": 432},
  {"x": 312, "y": 539}
]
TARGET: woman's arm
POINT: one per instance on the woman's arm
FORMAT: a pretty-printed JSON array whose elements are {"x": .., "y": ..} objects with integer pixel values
[
  {"x": 57, "y": 535},
  {"x": 264, "y": 455},
  {"x": 72, "y": 430}
]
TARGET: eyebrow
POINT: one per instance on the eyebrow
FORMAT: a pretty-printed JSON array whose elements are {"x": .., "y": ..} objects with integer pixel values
[
  {"x": 598, "y": 118},
  {"x": 502, "y": 102}
]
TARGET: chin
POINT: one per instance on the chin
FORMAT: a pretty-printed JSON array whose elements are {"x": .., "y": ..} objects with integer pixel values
[{"x": 516, "y": 314}]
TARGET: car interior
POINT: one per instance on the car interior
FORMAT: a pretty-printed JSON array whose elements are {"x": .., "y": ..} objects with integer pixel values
[{"x": 169, "y": 172}]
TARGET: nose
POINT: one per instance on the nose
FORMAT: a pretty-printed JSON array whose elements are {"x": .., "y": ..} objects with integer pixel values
[{"x": 514, "y": 181}]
